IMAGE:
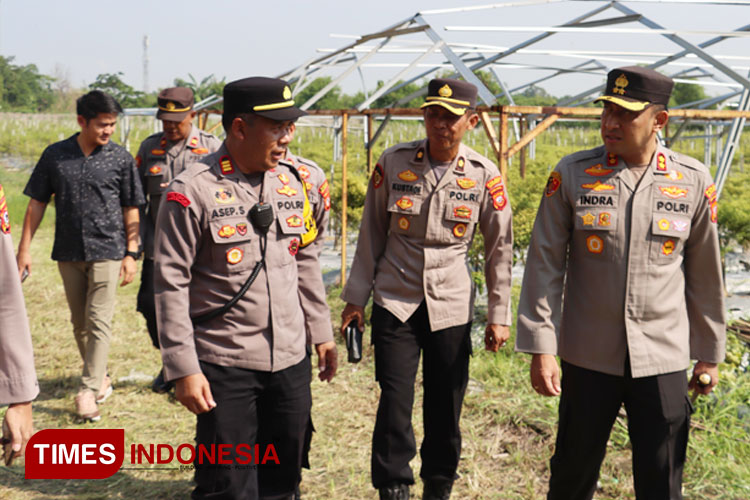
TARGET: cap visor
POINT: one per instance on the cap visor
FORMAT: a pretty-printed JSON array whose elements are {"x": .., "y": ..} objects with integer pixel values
[
  {"x": 171, "y": 117},
  {"x": 629, "y": 105},
  {"x": 453, "y": 109},
  {"x": 283, "y": 114}
]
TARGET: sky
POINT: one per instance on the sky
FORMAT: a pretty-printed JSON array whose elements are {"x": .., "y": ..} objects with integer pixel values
[{"x": 79, "y": 39}]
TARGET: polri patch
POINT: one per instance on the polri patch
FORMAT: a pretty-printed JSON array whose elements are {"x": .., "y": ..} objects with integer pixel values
[
  {"x": 605, "y": 219},
  {"x": 377, "y": 176},
  {"x": 668, "y": 247},
  {"x": 553, "y": 184},
  {"x": 242, "y": 229},
  {"x": 4, "y": 216},
  {"x": 403, "y": 223},
  {"x": 294, "y": 247},
  {"x": 179, "y": 198},
  {"x": 404, "y": 203},
  {"x": 459, "y": 230},
  {"x": 227, "y": 231},
  {"x": 224, "y": 196},
  {"x": 294, "y": 221},
  {"x": 595, "y": 244}
]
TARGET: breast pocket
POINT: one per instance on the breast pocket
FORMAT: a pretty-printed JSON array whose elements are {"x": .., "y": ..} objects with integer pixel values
[
  {"x": 234, "y": 248},
  {"x": 154, "y": 177},
  {"x": 459, "y": 219},
  {"x": 595, "y": 229},
  {"x": 668, "y": 235}
]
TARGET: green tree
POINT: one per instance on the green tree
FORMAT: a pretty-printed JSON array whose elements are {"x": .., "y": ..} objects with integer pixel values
[
  {"x": 127, "y": 96},
  {"x": 331, "y": 100},
  {"x": 391, "y": 98},
  {"x": 23, "y": 88},
  {"x": 684, "y": 93},
  {"x": 204, "y": 88}
]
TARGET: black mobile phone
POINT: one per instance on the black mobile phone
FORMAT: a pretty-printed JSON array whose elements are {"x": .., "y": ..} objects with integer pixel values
[
  {"x": 353, "y": 342},
  {"x": 24, "y": 275}
]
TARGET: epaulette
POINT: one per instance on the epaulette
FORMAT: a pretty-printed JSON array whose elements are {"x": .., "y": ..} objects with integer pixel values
[
  {"x": 403, "y": 145},
  {"x": 308, "y": 162},
  {"x": 687, "y": 161},
  {"x": 580, "y": 156},
  {"x": 195, "y": 169}
]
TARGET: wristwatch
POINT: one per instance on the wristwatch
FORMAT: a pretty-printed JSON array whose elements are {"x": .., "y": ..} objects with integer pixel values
[{"x": 135, "y": 255}]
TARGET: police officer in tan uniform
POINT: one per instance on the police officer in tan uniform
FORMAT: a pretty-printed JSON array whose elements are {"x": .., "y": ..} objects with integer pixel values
[
  {"x": 231, "y": 327},
  {"x": 630, "y": 229},
  {"x": 18, "y": 383},
  {"x": 423, "y": 204},
  {"x": 161, "y": 157}
]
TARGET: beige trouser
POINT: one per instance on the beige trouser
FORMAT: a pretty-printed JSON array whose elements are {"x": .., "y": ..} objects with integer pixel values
[{"x": 90, "y": 288}]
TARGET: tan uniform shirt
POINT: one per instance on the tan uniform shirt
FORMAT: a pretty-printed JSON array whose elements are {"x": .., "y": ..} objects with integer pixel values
[
  {"x": 643, "y": 270},
  {"x": 18, "y": 383},
  {"x": 160, "y": 161},
  {"x": 416, "y": 233},
  {"x": 206, "y": 248},
  {"x": 315, "y": 307}
]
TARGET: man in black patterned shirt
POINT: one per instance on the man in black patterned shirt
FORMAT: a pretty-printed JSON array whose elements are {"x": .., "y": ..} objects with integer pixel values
[{"x": 97, "y": 194}]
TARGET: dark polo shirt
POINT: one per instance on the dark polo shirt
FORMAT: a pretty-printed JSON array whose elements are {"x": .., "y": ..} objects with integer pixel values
[{"x": 89, "y": 195}]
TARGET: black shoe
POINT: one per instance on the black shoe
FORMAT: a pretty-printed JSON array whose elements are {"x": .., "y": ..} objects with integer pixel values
[
  {"x": 397, "y": 491},
  {"x": 437, "y": 489},
  {"x": 297, "y": 494},
  {"x": 160, "y": 385}
]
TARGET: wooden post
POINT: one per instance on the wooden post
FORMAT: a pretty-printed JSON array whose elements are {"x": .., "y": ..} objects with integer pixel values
[
  {"x": 344, "y": 124},
  {"x": 369, "y": 142},
  {"x": 522, "y": 163},
  {"x": 503, "y": 139}
]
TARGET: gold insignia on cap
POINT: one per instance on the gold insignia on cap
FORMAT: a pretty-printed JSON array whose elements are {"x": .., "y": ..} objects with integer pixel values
[
  {"x": 620, "y": 84},
  {"x": 170, "y": 106},
  {"x": 287, "y": 92},
  {"x": 445, "y": 91}
]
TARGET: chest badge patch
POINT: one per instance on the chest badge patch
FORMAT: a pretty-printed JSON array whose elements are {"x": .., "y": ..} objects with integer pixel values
[
  {"x": 377, "y": 176},
  {"x": 234, "y": 255},
  {"x": 462, "y": 212},
  {"x": 595, "y": 244},
  {"x": 242, "y": 229},
  {"x": 598, "y": 186},
  {"x": 465, "y": 183},
  {"x": 598, "y": 170},
  {"x": 553, "y": 184},
  {"x": 408, "y": 176},
  {"x": 294, "y": 221},
  {"x": 294, "y": 247},
  {"x": 605, "y": 219},
  {"x": 713, "y": 202},
  {"x": 4, "y": 216},
  {"x": 588, "y": 219},
  {"x": 403, "y": 223},
  {"x": 459, "y": 230},
  {"x": 156, "y": 169},
  {"x": 226, "y": 231},
  {"x": 663, "y": 224},
  {"x": 680, "y": 225},
  {"x": 404, "y": 203},
  {"x": 223, "y": 196},
  {"x": 157, "y": 152},
  {"x": 673, "y": 192},
  {"x": 668, "y": 247},
  {"x": 286, "y": 191},
  {"x": 674, "y": 175},
  {"x": 200, "y": 151}
]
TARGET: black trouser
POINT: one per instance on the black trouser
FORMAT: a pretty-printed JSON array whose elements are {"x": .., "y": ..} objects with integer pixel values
[
  {"x": 658, "y": 411},
  {"x": 445, "y": 371},
  {"x": 255, "y": 407},
  {"x": 146, "y": 303}
]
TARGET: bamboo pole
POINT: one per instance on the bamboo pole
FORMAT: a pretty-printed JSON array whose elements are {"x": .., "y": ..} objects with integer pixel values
[
  {"x": 522, "y": 162},
  {"x": 344, "y": 125},
  {"x": 369, "y": 143},
  {"x": 544, "y": 125},
  {"x": 490, "y": 131}
]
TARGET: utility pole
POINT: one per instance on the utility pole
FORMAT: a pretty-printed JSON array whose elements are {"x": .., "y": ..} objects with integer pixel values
[{"x": 145, "y": 64}]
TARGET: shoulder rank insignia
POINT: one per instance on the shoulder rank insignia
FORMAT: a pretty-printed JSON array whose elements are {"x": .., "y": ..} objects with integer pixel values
[
  {"x": 466, "y": 183},
  {"x": 598, "y": 170},
  {"x": 553, "y": 184},
  {"x": 226, "y": 165},
  {"x": 459, "y": 229},
  {"x": 156, "y": 169},
  {"x": 661, "y": 162},
  {"x": 283, "y": 178},
  {"x": 286, "y": 191},
  {"x": 404, "y": 203},
  {"x": 595, "y": 244},
  {"x": 157, "y": 152},
  {"x": 673, "y": 192},
  {"x": 200, "y": 151},
  {"x": 598, "y": 186},
  {"x": 612, "y": 160},
  {"x": 163, "y": 142},
  {"x": 138, "y": 161},
  {"x": 408, "y": 176},
  {"x": 179, "y": 198},
  {"x": 234, "y": 255},
  {"x": 460, "y": 165},
  {"x": 224, "y": 196},
  {"x": 377, "y": 176},
  {"x": 226, "y": 231},
  {"x": 420, "y": 154},
  {"x": 193, "y": 142},
  {"x": 403, "y": 223},
  {"x": 303, "y": 172}
]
